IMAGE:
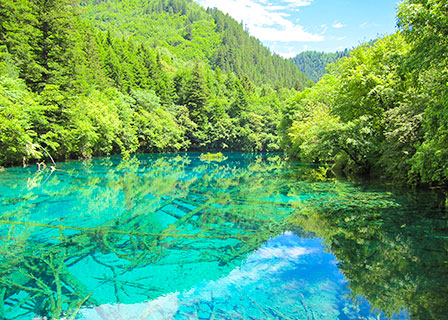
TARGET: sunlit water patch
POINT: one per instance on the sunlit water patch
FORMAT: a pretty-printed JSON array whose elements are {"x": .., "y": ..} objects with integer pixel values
[{"x": 244, "y": 237}]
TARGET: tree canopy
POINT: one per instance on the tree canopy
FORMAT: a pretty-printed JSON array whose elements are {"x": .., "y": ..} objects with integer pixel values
[
  {"x": 88, "y": 78},
  {"x": 313, "y": 63},
  {"x": 383, "y": 110}
]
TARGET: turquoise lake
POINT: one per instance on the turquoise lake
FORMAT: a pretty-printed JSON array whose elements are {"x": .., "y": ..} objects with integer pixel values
[{"x": 247, "y": 237}]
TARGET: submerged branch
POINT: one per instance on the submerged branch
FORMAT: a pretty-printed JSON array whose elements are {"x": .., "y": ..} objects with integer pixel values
[{"x": 169, "y": 233}]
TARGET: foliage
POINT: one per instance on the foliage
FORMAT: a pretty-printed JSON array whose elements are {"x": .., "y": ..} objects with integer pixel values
[
  {"x": 77, "y": 91},
  {"x": 188, "y": 32},
  {"x": 424, "y": 24},
  {"x": 313, "y": 63},
  {"x": 383, "y": 113},
  {"x": 17, "y": 108},
  {"x": 81, "y": 79}
]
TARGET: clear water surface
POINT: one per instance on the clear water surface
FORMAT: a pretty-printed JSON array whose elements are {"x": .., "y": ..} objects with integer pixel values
[{"x": 248, "y": 237}]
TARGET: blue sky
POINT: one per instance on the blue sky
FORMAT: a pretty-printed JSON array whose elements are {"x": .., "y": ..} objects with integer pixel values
[{"x": 289, "y": 27}]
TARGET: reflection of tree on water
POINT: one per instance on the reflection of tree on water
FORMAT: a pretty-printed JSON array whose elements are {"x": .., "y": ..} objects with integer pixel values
[
  {"x": 118, "y": 228},
  {"x": 108, "y": 231},
  {"x": 394, "y": 255}
]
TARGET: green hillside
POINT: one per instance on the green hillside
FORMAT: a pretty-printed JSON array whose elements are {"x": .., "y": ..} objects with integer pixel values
[
  {"x": 314, "y": 63},
  {"x": 88, "y": 78},
  {"x": 188, "y": 31},
  {"x": 83, "y": 79}
]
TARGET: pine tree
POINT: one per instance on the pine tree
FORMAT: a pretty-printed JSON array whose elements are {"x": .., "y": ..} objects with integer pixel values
[
  {"x": 52, "y": 42},
  {"x": 241, "y": 102},
  {"x": 196, "y": 95}
]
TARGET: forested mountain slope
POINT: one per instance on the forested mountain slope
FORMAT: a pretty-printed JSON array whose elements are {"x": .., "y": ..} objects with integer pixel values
[
  {"x": 77, "y": 80},
  {"x": 188, "y": 31},
  {"x": 314, "y": 63},
  {"x": 86, "y": 78}
]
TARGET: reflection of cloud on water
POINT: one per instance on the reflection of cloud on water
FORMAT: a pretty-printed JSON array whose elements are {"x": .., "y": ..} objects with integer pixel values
[
  {"x": 162, "y": 308},
  {"x": 285, "y": 270},
  {"x": 288, "y": 275},
  {"x": 265, "y": 263},
  {"x": 281, "y": 252}
]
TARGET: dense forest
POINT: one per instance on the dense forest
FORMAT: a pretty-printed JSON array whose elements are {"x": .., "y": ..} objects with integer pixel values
[
  {"x": 86, "y": 78},
  {"x": 188, "y": 32},
  {"x": 314, "y": 63},
  {"x": 78, "y": 81},
  {"x": 384, "y": 110}
]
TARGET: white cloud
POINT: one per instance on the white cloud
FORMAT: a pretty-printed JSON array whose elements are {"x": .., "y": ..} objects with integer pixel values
[
  {"x": 291, "y": 52},
  {"x": 298, "y": 3},
  {"x": 164, "y": 307},
  {"x": 368, "y": 25},
  {"x": 265, "y": 21},
  {"x": 338, "y": 25},
  {"x": 288, "y": 55},
  {"x": 287, "y": 33}
]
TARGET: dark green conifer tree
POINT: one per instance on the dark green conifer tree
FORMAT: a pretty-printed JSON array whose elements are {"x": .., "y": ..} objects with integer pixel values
[
  {"x": 196, "y": 95},
  {"x": 52, "y": 42}
]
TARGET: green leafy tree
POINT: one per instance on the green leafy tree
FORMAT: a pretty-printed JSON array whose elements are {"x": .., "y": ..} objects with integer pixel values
[
  {"x": 424, "y": 24},
  {"x": 124, "y": 88},
  {"x": 17, "y": 108}
]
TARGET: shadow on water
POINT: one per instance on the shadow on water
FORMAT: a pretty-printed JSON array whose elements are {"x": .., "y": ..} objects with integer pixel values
[
  {"x": 111, "y": 232},
  {"x": 391, "y": 246}
]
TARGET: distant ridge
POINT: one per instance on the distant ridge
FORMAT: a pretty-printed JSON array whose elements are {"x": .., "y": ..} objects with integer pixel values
[{"x": 314, "y": 63}]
